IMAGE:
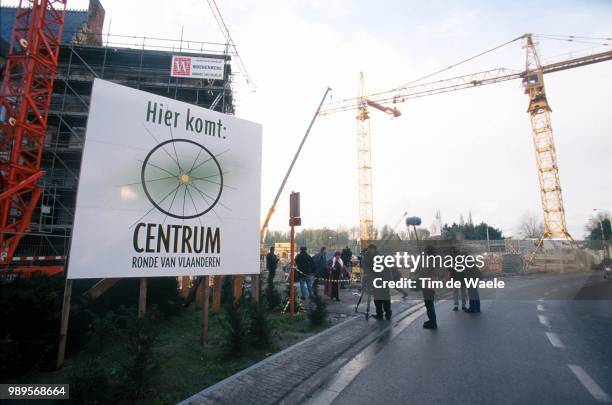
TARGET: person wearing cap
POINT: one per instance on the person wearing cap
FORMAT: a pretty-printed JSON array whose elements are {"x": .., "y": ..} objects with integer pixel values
[{"x": 305, "y": 267}]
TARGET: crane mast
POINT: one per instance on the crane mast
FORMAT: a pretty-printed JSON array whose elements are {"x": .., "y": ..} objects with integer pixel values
[
  {"x": 555, "y": 226},
  {"x": 364, "y": 167},
  {"x": 25, "y": 96}
]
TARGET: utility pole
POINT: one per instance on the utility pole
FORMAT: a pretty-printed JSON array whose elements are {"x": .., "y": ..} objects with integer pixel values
[{"x": 294, "y": 220}]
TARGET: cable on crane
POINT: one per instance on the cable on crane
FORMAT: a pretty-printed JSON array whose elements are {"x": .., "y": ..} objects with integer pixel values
[
  {"x": 230, "y": 42},
  {"x": 458, "y": 63},
  {"x": 573, "y": 39},
  {"x": 403, "y": 87}
]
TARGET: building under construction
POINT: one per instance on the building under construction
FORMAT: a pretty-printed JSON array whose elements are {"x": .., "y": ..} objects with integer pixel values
[{"x": 85, "y": 54}]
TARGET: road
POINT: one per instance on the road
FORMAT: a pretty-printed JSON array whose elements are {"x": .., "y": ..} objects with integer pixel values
[{"x": 538, "y": 342}]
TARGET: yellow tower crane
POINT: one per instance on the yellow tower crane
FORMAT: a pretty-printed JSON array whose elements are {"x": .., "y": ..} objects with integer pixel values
[
  {"x": 555, "y": 226},
  {"x": 364, "y": 161}
]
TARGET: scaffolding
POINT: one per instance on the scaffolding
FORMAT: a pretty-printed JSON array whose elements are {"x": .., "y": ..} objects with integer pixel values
[{"x": 141, "y": 63}]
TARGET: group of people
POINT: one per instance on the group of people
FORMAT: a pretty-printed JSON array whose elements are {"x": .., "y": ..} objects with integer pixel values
[
  {"x": 333, "y": 271},
  {"x": 382, "y": 298},
  {"x": 312, "y": 271}
]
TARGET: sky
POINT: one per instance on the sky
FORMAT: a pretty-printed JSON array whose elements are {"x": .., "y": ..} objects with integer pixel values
[{"x": 460, "y": 152}]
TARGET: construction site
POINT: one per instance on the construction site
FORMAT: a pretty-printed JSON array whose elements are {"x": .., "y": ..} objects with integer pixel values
[
  {"x": 83, "y": 54},
  {"x": 37, "y": 224},
  {"x": 128, "y": 176}
]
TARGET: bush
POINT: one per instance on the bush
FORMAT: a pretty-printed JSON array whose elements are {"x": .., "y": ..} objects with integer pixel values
[
  {"x": 260, "y": 327},
  {"x": 318, "y": 314},
  {"x": 30, "y": 313},
  {"x": 273, "y": 298},
  {"x": 127, "y": 379},
  {"x": 140, "y": 364},
  {"x": 90, "y": 385},
  {"x": 235, "y": 329},
  {"x": 227, "y": 291}
]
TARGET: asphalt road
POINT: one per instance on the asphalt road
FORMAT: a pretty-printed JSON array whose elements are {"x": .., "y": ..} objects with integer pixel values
[{"x": 539, "y": 342}]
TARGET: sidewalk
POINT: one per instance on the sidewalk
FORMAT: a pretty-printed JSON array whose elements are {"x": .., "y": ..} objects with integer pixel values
[{"x": 290, "y": 375}]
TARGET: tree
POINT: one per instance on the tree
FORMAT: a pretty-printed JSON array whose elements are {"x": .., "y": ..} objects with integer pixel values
[
  {"x": 273, "y": 237},
  {"x": 386, "y": 232},
  {"x": 595, "y": 225},
  {"x": 423, "y": 233},
  {"x": 531, "y": 226},
  {"x": 470, "y": 232}
]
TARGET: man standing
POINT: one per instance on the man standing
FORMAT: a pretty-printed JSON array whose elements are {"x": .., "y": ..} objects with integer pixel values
[
  {"x": 271, "y": 264},
  {"x": 382, "y": 296},
  {"x": 320, "y": 273},
  {"x": 472, "y": 274},
  {"x": 347, "y": 259},
  {"x": 429, "y": 294},
  {"x": 305, "y": 266},
  {"x": 335, "y": 268},
  {"x": 456, "y": 275}
]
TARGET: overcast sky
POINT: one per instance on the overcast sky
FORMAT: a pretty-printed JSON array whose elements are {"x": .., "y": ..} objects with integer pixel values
[{"x": 466, "y": 151}]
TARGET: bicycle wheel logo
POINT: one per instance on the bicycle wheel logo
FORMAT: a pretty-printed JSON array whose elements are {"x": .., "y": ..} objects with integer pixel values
[{"x": 182, "y": 178}]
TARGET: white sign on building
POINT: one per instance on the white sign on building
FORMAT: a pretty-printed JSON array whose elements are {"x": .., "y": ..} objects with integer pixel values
[
  {"x": 166, "y": 189},
  {"x": 200, "y": 68}
]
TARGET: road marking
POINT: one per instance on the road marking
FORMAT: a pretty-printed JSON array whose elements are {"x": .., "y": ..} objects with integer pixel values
[
  {"x": 554, "y": 340},
  {"x": 544, "y": 320},
  {"x": 590, "y": 384},
  {"x": 540, "y": 307},
  {"x": 540, "y": 299}
]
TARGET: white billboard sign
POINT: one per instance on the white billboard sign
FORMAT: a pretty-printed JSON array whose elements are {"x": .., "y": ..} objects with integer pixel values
[
  {"x": 200, "y": 68},
  {"x": 166, "y": 189}
]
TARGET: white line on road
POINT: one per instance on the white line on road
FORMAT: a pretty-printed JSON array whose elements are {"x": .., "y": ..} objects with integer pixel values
[
  {"x": 554, "y": 340},
  {"x": 540, "y": 307},
  {"x": 540, "y": 299},
  {"x": 343, "y": 377},
  {"x": 544, "y": 320},
  {"x": 589, "y": 383}
]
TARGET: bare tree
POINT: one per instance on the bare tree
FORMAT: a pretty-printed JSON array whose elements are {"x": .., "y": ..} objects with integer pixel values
[{"x": 531, "y": 226}]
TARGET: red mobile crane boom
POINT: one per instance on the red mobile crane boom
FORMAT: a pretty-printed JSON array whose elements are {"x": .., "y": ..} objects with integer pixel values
[{"x": 25, "y": 97}]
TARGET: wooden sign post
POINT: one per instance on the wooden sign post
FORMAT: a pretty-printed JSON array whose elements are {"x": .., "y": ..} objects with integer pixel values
[
  {"x": 216, "y": 304},
  {"x": 142, "y": 298},
  {"x": 204, "y": 292},
  {"x": 61, "y": 351},
  {"x": 255, "y": 287}
]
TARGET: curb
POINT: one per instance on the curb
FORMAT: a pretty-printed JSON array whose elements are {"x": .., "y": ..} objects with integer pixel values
[
  {"x": 339, "y": 361},
  {"x": 304, "y": 391},
  {"x": 264, "y": 361}
]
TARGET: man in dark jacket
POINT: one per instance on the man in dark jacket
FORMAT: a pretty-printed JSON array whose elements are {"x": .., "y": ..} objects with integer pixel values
[
  {"x": 382, "y": 295},
  {"x": 271, "y": 264},
  {"x": 305, "y": 267},
  {"x": 347, "y": 259},
  {"x": 473, "y": 273},
  {"x": 429, "y": 294},
  {"x": 320, "y": 272}
]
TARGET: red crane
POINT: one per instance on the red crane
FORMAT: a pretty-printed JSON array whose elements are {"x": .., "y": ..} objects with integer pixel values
[{"x": 25, "y": 96}]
